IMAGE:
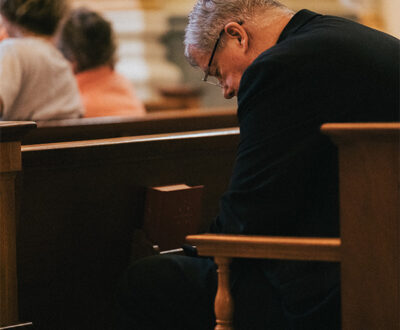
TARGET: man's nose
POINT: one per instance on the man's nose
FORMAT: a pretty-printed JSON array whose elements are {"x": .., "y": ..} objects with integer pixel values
[{"x": 228, "y": 92}]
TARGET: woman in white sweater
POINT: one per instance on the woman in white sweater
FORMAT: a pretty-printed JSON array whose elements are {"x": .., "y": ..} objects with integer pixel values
[{"x": 36, "y": 82}]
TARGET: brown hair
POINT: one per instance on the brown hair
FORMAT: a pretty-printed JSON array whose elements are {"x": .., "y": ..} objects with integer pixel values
[
  {"x": 87, "y": 39},
  {"x": 38, "y": 16}
]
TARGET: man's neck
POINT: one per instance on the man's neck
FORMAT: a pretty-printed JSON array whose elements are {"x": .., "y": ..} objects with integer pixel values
[{"x": 267, "y": 28}]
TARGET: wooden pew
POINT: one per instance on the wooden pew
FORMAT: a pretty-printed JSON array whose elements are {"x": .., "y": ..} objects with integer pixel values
[
  {"x": 79, "y": 203},
  {"x": 369, "y": 174},
  {"x": 369, "y": 243},
  {"x": 10, "y": 164},
  {"x": 151, "y": 123}
]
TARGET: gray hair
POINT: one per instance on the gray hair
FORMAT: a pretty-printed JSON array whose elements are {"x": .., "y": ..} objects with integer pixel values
[{"x": 209, "y": 17}]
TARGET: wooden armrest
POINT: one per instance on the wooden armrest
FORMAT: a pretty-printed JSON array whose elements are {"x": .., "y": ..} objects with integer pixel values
[
  {"x": 267, "y": 247},
  {"x": 225, "y": 247}
]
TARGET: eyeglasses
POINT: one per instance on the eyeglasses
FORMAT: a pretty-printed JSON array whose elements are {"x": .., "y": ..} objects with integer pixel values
[{"x": 215, "y": 81}]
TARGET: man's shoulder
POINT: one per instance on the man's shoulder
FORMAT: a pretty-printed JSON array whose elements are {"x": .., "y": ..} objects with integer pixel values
[
  {"x": 315, "y": 63},
  {"x": 322, "y": 39},
  {"x": 323, "y": 32}
]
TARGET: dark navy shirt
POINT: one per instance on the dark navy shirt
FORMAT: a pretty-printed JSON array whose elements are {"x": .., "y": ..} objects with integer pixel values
[
  {"x": 323, "y": 69},
  {"x": 285, "y": 180}
]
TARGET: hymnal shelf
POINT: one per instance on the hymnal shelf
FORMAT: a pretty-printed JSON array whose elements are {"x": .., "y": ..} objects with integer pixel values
[{"x": 171, "y": 213}]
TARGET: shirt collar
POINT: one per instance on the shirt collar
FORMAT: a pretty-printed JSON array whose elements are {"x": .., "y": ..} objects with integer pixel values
[{"x": 297, "y": 21}]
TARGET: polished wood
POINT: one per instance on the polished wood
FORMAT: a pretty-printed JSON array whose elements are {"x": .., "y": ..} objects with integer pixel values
[
  {"x": 369, "y": 168},
  {"x": 224, "y": 305},
  {"x": 225, "y": 247},
  {"x": 14, "y": 130},
  {"x": 10, "y": 164},
  {"x": 8, "y": 266},
  {"x": 151, "y": 123},
  {"x": 81, "y": 202},
  {"x": 10, "y": 156},
  {"x": 369, "y": 244},
  {"x": 173, "y": 209},
  {"x": 181, "y": 97},
  {"x": 250, "y": 246}
]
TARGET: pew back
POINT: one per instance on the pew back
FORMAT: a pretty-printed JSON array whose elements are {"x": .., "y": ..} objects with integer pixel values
[
  {"x": 10, "y": 165},
  {"x": 79, "y": 203},
  {"x": 150, "y": 123},
  {"x": 369, "y": 173}
]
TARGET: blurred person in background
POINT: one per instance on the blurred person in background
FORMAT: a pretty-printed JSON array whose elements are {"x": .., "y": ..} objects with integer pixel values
[
  {"x": 36, "y": 82},
  {"x": 87, "y": 40},
  {"x": 3, "y": 32}
]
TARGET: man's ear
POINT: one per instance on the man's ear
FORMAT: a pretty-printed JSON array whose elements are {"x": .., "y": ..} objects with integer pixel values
[{"x": 237, "y": 31}]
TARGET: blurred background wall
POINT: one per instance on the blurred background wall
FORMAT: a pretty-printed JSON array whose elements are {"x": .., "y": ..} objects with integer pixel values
[{"x": 150, "y": 35}]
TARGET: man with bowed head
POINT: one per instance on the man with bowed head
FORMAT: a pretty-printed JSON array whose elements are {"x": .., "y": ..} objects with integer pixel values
[{"x": 291, "y": 72}]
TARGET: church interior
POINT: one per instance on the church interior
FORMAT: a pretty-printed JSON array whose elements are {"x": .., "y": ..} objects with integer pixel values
[{"x": 80, "y": 198}]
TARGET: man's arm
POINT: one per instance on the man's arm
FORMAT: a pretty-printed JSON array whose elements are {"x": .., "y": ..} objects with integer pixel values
[{"x": 284, "y": 181}]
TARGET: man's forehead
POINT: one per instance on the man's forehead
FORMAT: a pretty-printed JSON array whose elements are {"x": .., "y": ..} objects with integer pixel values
[{"x": 200, "y": 58}]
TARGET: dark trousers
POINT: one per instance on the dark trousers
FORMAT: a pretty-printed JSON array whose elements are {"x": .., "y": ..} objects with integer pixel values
[
  {"x": 177, "y": 293},
  {"x": 167, "y": 292}
]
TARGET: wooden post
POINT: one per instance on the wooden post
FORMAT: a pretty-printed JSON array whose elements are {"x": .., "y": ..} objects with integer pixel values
[
  {"x": 223, "y": 299},
  {"x": 370, "y": 223},
  {"x": 10, "y": 164}
]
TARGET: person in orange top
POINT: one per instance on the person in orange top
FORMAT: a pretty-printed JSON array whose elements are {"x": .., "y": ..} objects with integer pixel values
[
  {"x": 87, "y": 41},
  {"x": 3, "y": 32}
]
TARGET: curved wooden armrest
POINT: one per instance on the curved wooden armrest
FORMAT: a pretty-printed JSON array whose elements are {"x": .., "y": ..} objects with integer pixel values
[
  {"x": 224, "y": 247},
  {"x": 267, "y": 247}
]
